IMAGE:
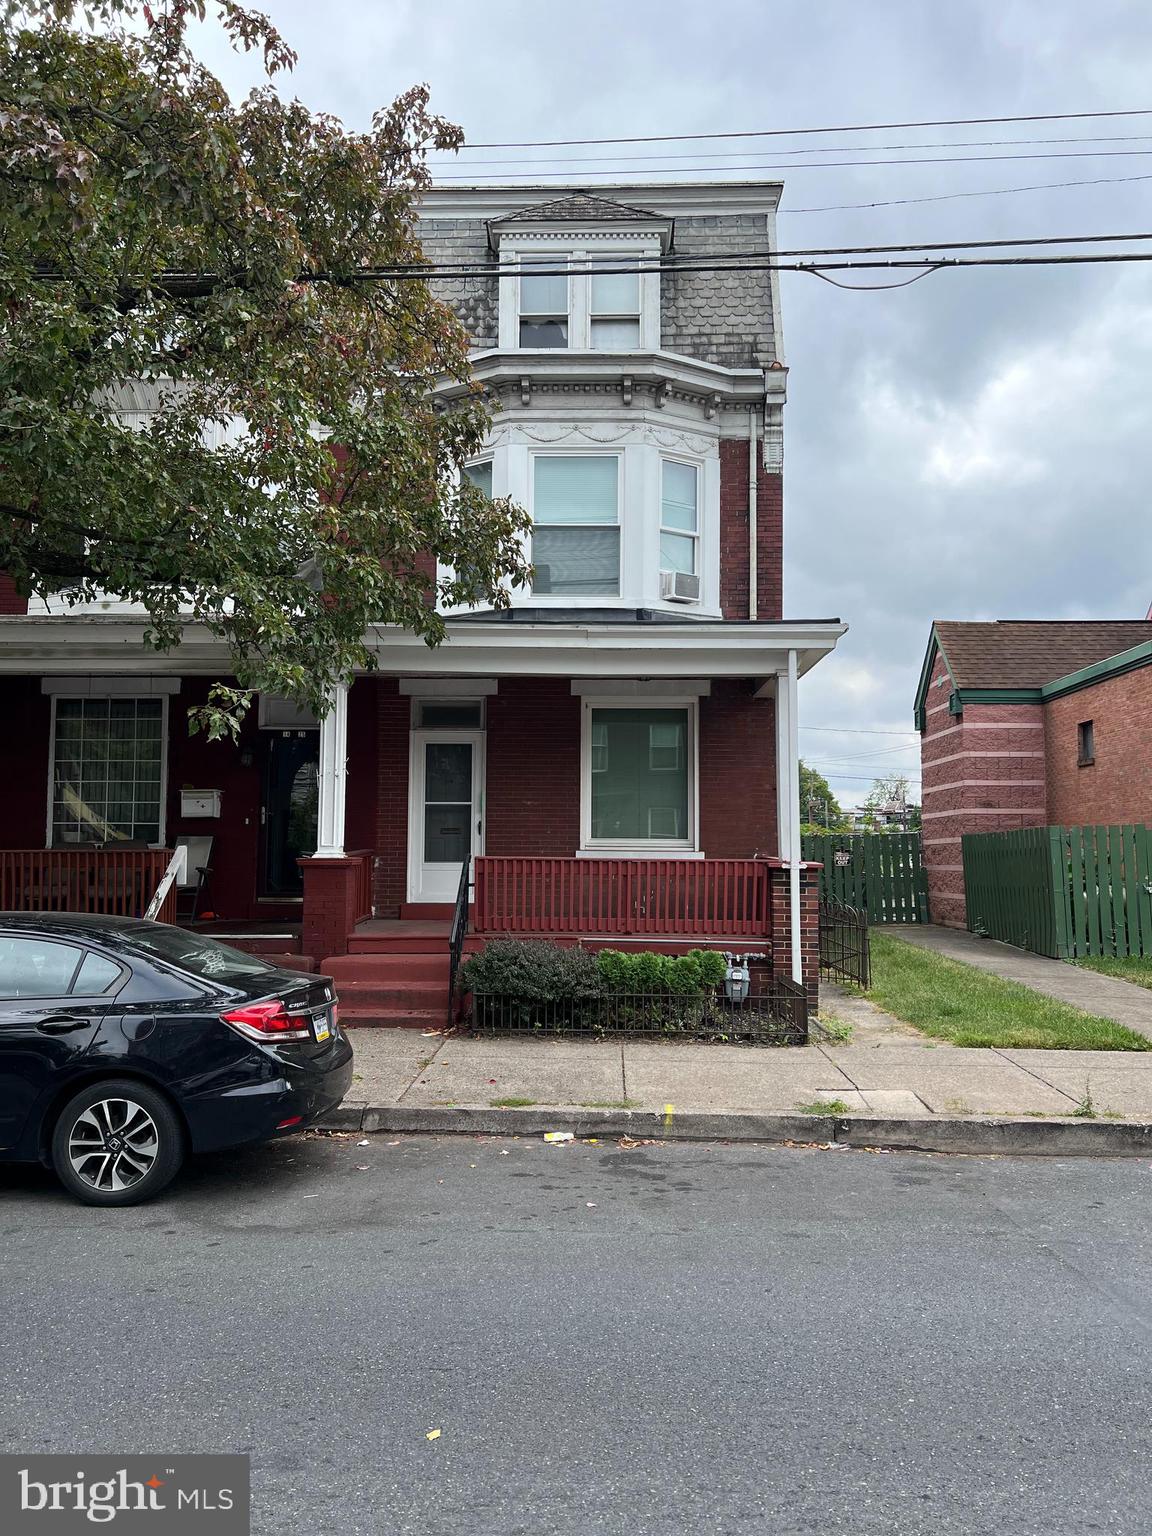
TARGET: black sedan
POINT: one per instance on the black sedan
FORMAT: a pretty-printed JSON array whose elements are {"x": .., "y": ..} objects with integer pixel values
[{"x": 125, "y": 1045}]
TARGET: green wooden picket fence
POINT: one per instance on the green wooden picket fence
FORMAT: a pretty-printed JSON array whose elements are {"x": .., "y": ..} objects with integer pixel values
[
  {"x": 879, "y": 873},
  {"x": 1062, "y": 891}
]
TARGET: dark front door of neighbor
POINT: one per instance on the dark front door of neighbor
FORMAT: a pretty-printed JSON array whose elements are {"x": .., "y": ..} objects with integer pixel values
[{"x": 288, "y": 815}]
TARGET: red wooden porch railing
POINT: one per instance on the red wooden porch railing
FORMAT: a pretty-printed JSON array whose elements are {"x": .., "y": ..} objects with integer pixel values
[
  {"x": 366, "y": 858},
  {"x": 111, "y": 881},
  {"x": 705, "y": 897}
]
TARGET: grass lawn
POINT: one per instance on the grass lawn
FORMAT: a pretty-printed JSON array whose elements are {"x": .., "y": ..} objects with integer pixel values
[
  {"x": 968, "y": 1007},
  {"x": 1137, "y": 968}
]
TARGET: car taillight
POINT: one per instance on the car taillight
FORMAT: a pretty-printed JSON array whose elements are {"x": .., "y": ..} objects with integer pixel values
[{"x": 267, "y": 1021}]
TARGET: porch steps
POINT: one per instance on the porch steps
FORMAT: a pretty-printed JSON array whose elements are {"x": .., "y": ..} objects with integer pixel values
[
  {"x": 392, "y": 990},
  {"x": 426, "y": 912},
  {"x": 406, "y": 937}
]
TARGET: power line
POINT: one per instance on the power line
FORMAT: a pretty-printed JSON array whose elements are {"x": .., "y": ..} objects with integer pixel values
[
  {"x": 945, "y": 197},
  {"x": 852, "y": 730},
  {"x": 823, "y": 149},
  {"x": 772, "y": 133},
  {"x": 823, "y": 165}
]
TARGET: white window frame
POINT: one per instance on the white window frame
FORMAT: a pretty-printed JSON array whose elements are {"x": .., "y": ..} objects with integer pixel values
[
  {"x": 688, "y": 847},
  {"x": 556, "y": 260},
  {"x": 696, "y": 467},
  {"x": 581, "y": 598},
  {"x": 143, "y": 693},
  {"x": 580, "y": 249},
  {"x": 639, "y": 486}
]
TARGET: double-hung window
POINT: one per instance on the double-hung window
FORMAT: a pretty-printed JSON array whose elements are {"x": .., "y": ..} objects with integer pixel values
[
  {"x": 480, "y": 474},
  {"x": 614, "y": 309},
  {"x": 544, "y": 303},
  {"x": 576, "y": 524},
  {"x": 639, "y": 765},
  {"x": 679, "y": 517},
  {"x": 107, "y": 770}
]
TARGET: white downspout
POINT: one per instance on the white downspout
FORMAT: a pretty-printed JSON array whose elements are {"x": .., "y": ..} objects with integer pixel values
[
  {"x": 753, "y": 532},
  {"x": 794, "y": 853}
]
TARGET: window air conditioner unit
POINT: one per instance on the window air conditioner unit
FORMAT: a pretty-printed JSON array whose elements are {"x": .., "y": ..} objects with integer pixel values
[{"x": 679, "y": 587}]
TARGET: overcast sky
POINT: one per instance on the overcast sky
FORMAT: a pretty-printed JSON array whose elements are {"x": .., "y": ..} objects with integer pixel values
[{"x": 975, "y": 446}]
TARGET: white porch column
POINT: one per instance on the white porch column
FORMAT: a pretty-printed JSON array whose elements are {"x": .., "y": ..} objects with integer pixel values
[
  {"x": 333, "y": 773},
  {"x": 788, "y": 801}
]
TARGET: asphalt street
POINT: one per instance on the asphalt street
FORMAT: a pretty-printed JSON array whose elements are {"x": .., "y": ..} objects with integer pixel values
[{"x": 656, "y": 1339}]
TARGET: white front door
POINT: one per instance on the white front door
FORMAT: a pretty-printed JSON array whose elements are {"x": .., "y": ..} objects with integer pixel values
[{"x": 445, "y": 810}]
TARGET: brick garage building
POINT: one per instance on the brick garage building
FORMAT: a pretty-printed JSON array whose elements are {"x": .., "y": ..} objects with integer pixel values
[{"x": 1027, "y": 724}]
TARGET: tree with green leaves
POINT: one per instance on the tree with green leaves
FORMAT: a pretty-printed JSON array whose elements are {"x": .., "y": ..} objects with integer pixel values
[
  {"x": 206, "y": 405},
  {"x": 887, "y": 806},
  {"x": 819, "y": 809}
]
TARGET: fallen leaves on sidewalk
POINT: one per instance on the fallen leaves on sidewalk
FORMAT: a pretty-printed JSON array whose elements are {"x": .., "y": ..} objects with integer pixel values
[
  {"x": 433, "y": 1434},
  {"x": 628, "y": 1142}
]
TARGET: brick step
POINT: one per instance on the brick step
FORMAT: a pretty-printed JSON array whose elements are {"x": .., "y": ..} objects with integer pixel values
[
  {"x": 401, "y": 968},
  {"x": 387, "y": 944},
  {"x": 384, "y": 996},
  {"x": 362, "y": 1017},
  {"x": 427, "y": 911}
]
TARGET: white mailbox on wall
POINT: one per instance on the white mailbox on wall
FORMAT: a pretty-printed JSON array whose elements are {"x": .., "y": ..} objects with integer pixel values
[{"x": 201, "y": 804}]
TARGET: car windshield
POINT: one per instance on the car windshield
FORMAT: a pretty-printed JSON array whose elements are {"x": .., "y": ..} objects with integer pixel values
[{"x": 199, "y": 956}]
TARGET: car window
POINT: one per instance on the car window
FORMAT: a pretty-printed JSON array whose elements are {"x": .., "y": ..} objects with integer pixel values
[
  {"x": 198, "y": 956},
  {"x": 35, "y": 967},
  {"x": 97, "y": 973}
]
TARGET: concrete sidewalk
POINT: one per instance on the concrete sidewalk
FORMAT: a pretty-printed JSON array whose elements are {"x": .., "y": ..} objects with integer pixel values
[
  {"x": 912, "y": 1079},
  {"x": 1105, "y": 996}
]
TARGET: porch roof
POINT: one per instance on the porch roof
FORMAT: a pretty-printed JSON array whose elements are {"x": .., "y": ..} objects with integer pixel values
[{"x": 703, "y": 649}]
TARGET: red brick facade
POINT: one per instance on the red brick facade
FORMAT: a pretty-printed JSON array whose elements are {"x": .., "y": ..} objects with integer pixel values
[
  {"x": 10, "y": 600},
  {"x": 1117, "y": 787},
  {"x": 781, "y": 899},
  {"x": 734, "y": 534}
]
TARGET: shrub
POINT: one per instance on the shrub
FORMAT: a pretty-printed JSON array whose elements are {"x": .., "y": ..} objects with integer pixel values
[
  {"x": 692, "y": 975},
  {"x": 533, "y": 970}
]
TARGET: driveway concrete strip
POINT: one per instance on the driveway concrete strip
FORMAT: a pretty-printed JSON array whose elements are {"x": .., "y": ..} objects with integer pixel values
[
  {"x": 699, "y": 1077},
  {"x": 959, "y": 1081},
  {"x": 870, "y": 1025},
  {"x": 482, "y": 1070},
  {"x": 1105, "y": 996}
]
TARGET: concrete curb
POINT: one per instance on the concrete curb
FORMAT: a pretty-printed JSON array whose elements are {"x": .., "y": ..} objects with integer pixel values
[{"x": 982, "y": 1135}]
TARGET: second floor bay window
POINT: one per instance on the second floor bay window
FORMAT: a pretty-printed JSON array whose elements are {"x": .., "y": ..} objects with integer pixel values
[{"x": 576, "y": 524}]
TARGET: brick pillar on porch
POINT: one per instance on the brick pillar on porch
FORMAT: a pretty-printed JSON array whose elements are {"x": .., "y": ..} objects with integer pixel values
[
  {"x": 781, "y": 905},
  {"x": 331, "y": 900}
]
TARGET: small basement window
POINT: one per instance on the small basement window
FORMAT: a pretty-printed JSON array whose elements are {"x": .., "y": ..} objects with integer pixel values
[{"x": 1085, "y": 744}]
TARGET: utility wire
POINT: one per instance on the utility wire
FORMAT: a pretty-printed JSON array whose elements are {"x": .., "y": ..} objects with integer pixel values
[
  {"x": 822, "y": 165},
  {"x": 855, "y": 730},
  {"x": 823, "y": 149},
  {"x": 945, "y": 197},
  {"x": 772, "y": 133}
]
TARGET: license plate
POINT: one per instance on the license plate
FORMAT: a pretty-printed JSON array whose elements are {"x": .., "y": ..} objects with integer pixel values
[{"x": 322, "y": 1027}]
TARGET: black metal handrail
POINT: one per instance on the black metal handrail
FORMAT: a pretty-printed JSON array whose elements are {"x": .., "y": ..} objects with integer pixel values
[{"x": 457, "y": 934}]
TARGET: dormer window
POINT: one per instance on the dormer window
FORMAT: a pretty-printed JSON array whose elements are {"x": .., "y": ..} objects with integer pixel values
[
  {"x": 614, "y": 311},
  {"x": 544, "y": 303}
]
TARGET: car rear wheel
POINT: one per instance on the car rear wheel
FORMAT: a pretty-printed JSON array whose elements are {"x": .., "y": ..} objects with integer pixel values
[{"x": 117, "y": 1143}]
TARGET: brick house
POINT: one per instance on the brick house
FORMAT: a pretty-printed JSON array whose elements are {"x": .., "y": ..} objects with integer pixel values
[
  {"x": 1028, "y": 724},
  {"x": 615, "y": 756}
]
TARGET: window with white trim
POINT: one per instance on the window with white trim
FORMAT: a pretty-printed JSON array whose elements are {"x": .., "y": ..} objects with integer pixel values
[
  {"x": 581, "y": 299},
  {"x": 107, "y": 770},
  {"x": 576, "y": 524},
  {"x": 679, "y": 517},
  {"x": 480, "y": 474},
  {"x": 544, "y": 302},
  {"x": 639, "y": 775}
]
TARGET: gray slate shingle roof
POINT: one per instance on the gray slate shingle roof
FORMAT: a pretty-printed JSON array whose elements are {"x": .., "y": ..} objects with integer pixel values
[
  {"x": 1027, "y": 653},
  {"x": 579, "y": 207}
]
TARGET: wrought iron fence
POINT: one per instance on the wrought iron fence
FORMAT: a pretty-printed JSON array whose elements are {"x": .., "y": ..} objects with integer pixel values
[
  {"x": 844, "y": 948},
  {"x": 775, "y": 1013},
  {"x": 456, "y": 934}
]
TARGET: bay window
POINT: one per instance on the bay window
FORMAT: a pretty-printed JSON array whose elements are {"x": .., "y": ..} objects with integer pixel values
[
  {"x": 576, "y": 524},
  {"x": 679, "y": 517},
  {"x": 107, "y": 770},
  {"x": 639, "y": 776},
  {"x": 480, "y": 474}
]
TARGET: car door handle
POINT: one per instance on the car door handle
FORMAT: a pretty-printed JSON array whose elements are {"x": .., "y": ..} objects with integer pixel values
[{"x": 62, "y": 1023}]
